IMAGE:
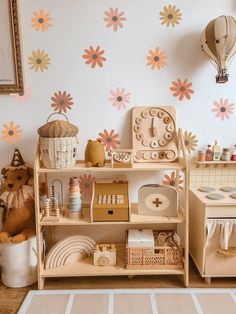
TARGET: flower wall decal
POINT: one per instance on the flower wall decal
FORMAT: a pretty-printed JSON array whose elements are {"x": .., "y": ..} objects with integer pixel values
[
  {"x": 62, "y": 101},
  {"x": 86, "y": 185},
  {"x": 170, "y": 15},
  {"x": 39, "y": 60},
  {"x": 223, "y": 109},
  {"x": 11, "y": 133},
  {"x": 109, "y": 139},
  {"x": 190, "y": 141},
  {"x": 156, "y": 59},
  {"x": 182, "y": 89},
  {"x": 114, "y": 18},
  {"x": 172, "y": 180},
  {"x": 94, "y": 57},
  {"x": 120, "y": 98},
  {"x": 41, "y": 20}
]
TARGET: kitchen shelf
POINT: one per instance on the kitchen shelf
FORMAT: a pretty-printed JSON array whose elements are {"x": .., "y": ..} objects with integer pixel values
[{"x": 220, "y": 162}]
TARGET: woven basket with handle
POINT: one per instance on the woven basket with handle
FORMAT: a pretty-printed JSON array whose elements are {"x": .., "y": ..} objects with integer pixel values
[{"x": 58, "y": 143}]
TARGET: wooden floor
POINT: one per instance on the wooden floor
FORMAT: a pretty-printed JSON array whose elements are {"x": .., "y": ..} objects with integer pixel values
[{"x": 11, "y": 299}]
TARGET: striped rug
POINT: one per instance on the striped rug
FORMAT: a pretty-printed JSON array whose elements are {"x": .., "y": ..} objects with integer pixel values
[{"x": 131, "y": 301}]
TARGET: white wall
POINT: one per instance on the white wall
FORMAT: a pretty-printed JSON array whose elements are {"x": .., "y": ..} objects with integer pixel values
[{"x": 78, "y": 24}]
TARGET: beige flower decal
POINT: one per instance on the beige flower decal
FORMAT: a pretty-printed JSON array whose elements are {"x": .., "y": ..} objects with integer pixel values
[
  {"x": 172, "y": 180},
  {"x": 170, "y": 15},
  {"x": 190, "y": 141}
]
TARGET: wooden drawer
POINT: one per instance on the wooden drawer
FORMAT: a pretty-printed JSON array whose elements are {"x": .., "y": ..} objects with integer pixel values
[
  {"x": 221, "y": 211},
  {"x": 219, "y": 264},
  {"x": 110, "y": 214}
]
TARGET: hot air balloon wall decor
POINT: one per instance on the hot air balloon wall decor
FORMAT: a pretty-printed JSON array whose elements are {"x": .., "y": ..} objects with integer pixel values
[{"x": 218, "y": 41}]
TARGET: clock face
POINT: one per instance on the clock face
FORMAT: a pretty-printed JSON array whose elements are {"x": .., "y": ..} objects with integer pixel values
[
  {"x": 154, "y": 136},
  {"x": 153, "y": 128}
]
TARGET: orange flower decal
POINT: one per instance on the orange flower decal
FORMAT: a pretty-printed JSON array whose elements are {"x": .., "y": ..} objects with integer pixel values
[
  {"x": 41, "y": 21},
  {"x": 94, "y": 57},
  {"x": 11, "y": 133},
  {"x": 109, "y": 140},
  {"x": 61, "y": 101},
  {"x": 156, "y": 59},
  {"x": 182, "y": 89},
  {"x": 172, "y": 180},
  {"x": 114, "y": 18}
]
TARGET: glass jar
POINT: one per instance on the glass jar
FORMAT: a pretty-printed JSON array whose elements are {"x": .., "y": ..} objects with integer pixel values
[
  {"x": 225, "y": 155},
  {"x": 201, "y": 155}
]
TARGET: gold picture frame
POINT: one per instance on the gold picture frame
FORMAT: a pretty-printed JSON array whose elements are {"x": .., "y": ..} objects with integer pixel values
[{"x": 11, "y": 70}]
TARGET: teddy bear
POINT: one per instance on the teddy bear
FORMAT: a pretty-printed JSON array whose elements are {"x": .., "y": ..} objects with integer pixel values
[
  {"x": 94, "y": 154},
  {"x": 16, "y": 196}
]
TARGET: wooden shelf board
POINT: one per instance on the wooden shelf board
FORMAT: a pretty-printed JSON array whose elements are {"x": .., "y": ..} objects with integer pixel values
[
  {"x": 80, "y": 167},
  {"x": 91, "y": 270},
  {"x": 85, "y": 267},
  {"x": 220, "y": 162},
  {"x": 135, "y": 219}
]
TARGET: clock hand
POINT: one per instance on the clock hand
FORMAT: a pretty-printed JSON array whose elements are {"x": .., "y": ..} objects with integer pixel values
[{"x": 154, "y": 126}]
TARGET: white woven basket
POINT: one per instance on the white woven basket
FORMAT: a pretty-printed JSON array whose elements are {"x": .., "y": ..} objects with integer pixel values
[{"x": 59, "y": 152}]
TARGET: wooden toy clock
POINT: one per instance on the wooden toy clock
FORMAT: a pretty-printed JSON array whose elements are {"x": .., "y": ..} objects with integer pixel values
[{"x": 154, "y": 136}]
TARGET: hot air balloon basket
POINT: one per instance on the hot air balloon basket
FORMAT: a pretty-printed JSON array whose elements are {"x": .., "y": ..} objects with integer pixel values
[
  {"x": 220, "y": 78},
  {"x": 58, "y": 152}
]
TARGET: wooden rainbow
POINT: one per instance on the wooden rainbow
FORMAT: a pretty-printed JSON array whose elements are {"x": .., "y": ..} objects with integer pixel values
[{"x": 69, "y": 250}]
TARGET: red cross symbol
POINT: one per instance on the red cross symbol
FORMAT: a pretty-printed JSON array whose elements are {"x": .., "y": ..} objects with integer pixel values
[{"x": 157, "y": 202}]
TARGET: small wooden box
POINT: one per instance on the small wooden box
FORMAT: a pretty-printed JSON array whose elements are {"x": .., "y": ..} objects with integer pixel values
[{"x": 110, "y": 202}]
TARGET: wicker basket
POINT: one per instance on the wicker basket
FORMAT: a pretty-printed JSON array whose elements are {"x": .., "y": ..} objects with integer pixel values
[
  {"x": 156, "y": 257},
  {"x": 58, "y": 152}
]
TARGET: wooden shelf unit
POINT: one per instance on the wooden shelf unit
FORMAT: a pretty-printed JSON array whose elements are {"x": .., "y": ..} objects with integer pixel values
[{"x": 85, "y": 267}]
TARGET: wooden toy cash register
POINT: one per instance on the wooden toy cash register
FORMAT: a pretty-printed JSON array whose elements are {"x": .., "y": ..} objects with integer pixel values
[{"x": 110, "y": 201}]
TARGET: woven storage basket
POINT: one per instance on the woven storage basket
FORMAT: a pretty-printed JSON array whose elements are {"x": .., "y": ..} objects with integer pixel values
[
  {"x": 56, "y": 149},
  {"x": 154, "y": 257}
]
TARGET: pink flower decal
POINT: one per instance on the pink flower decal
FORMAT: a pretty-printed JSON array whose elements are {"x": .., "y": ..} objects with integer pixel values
[
  {"x": 223, "y": 109},
  {"x": 23, "y": 98},
  {"x": 86, "y": 185},
  {"x": 120, "y": 98},
  {"x": 114, "y": 18},
  {"x": 182, "y": 89},
  {"x": 109, "y": 140}
]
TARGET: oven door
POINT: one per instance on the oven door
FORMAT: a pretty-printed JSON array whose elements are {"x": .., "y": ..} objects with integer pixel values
[{"x": 220, "y": 250}]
